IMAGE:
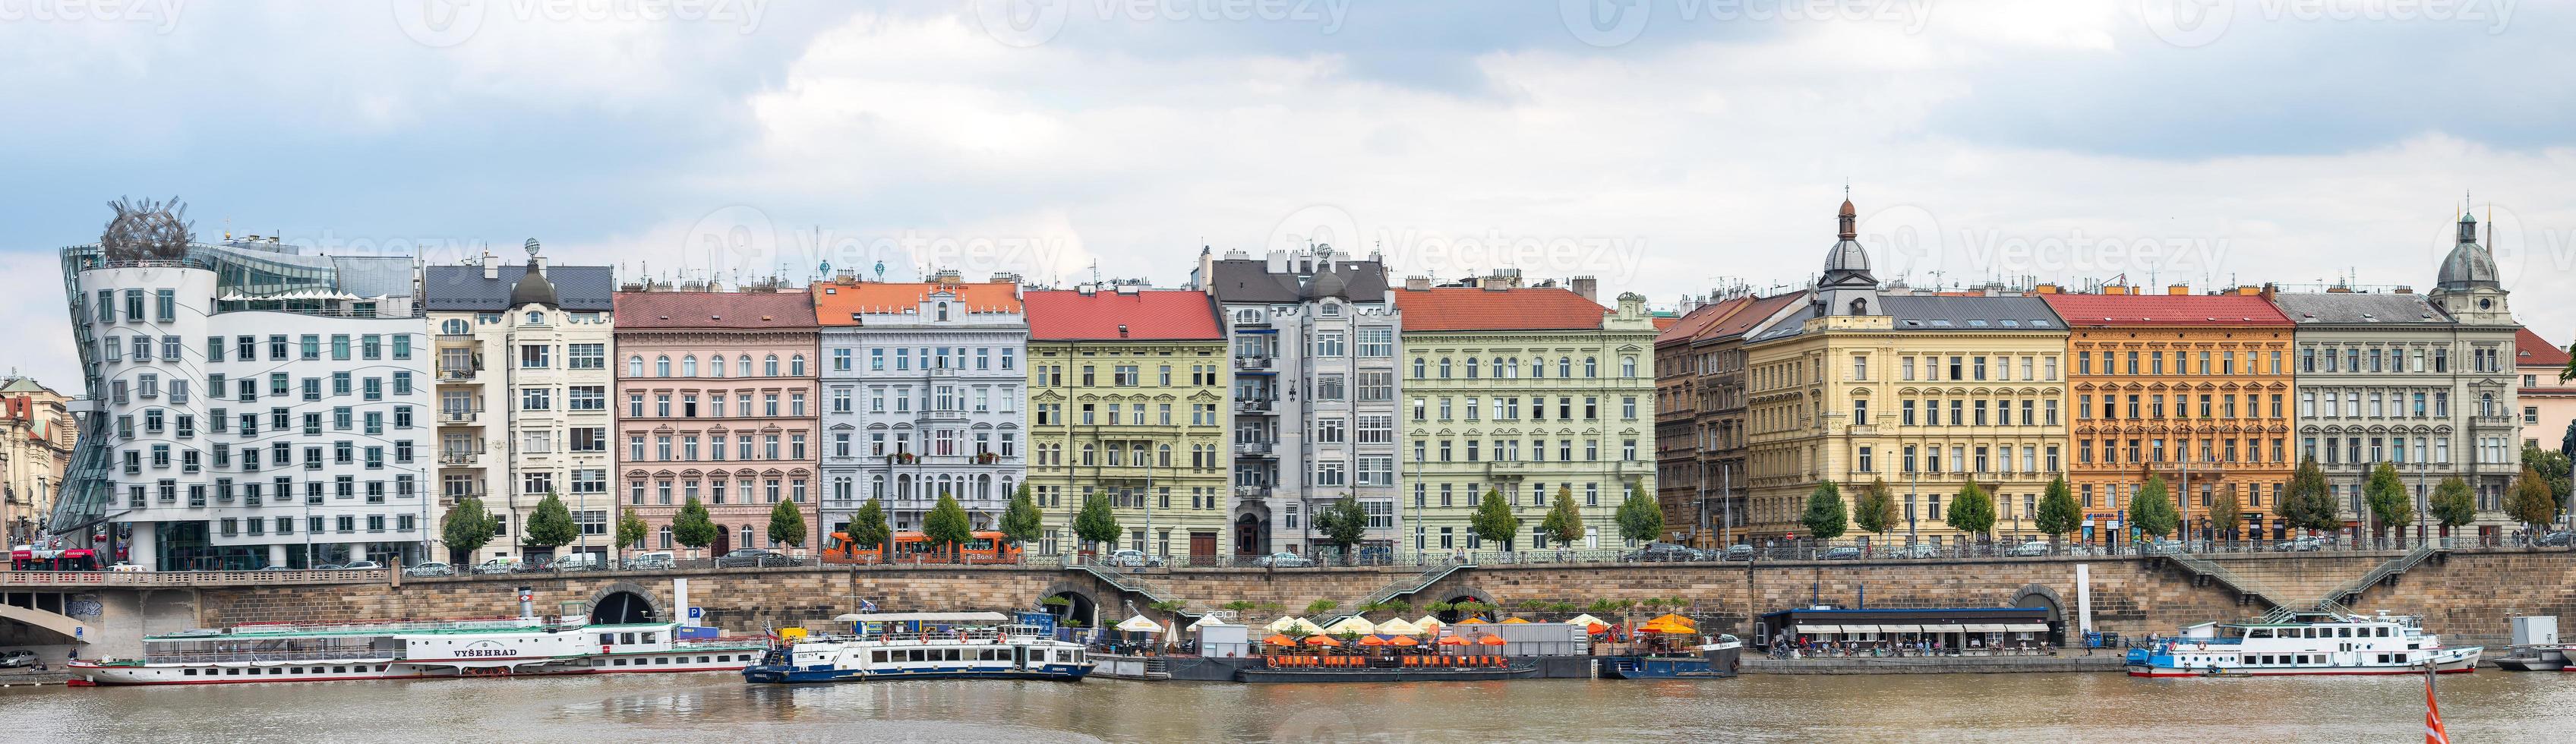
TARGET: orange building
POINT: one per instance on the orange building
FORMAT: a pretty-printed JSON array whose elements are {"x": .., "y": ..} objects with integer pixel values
[{"x": 2194, "y": 388}]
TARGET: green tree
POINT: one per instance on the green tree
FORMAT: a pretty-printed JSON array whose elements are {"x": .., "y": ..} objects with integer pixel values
[
  {"x": 868, "y": 528},
  {"x": 691, "y": 528},
  {"x": 466, "y": 528},
  {"x": 1874, "y": 510},
  {"x": 2385, "y": 494},
  {"x": 1342, "y": 524},
  {"x": 2530, "y": 501},
  {"x": 1972, "y": 512},
  {"x": 631, "y": 529},
  {"x": 2452, "y": 505},
  {"x": 1096, "y": 524},
  {"x": 1321, "y": 606},
  {"x": 1020, "y": 520},
  {"x": 1640, "y": 518},
  {"x": 1563, "y": 524},
  {"x": 550, "y": 526},
  {"x": 787, "y": 524},
  {"x": 2151, "y": 511},
  {"x": 1494, "y": 521},
  {"x": 2308, "y": 503},
  {"x": 946, "y": 526},
  {"x": 2553, "y": 467},
  {"x": 2059, "y": 515},
  {"x": 1825, "y": 518},
  {"x": 2225, "y": 515}
]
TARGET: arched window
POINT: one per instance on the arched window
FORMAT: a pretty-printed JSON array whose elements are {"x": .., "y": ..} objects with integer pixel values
[
  {"x": 1444, "y": 368},
  {"x": 796, "y": 366},
  {"x": 2486, "y": 404},
  {"x": 689, "y": 366},
  {"x": 662, "y": 366},
  {"x": 1472, "y": 365},
  {"x": 876, "y": 487},
  {"x": 903, "y": 487},
  {"x": 1537, "y": 367},
  {"x": 1628, "y": 365},
  {"x": 1419, "y": 364},
  {"x": 943, "y": 311},
  {"x": 769, "y": 366},
  {"x": 453, "y": 327},
  {"x": 536, "y": 317},
  {"x": 742, "y": 366},
  {"x": 746, "y": 538},
  {"x": 1565, "y": 366},
  {"x": 1591, "y": 367},
  {"x": 715, "y": 366},
  {"x": 635, "y": 366}
]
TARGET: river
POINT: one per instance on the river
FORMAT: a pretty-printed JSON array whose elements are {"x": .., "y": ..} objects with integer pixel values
[{"x": 2489, "y": 706}]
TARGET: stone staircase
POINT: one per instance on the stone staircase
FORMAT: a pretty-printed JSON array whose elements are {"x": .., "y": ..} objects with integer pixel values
[
  {"x": 1406, "y": 584},
  {"x": 2383, "y": 572},
  {"x": 2300, "y": 585},
  {"x": 2213, "y": 571},
  {"x": 1132, "y": 580}
]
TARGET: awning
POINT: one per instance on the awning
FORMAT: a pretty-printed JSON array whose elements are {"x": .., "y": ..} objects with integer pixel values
[
  {"x": 1399, "y": 626},
  {"x": 1820, "y": 629},
  {"x": 1900, "y": 629},
  {"x": 1861, "y": 629},
  {"x": 1352, "y": 624},
  {"x": 1982, "y": 628},
  {"x": 2027, "y": 628}
]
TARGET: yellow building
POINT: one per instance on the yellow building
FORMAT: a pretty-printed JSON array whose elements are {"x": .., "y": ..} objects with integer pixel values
[
  {"x": 1925, "y": 392},
  {"x": 1127, "y": 400}
]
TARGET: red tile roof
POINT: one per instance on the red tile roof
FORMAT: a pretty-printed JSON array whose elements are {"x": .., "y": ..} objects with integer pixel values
[
  {"x": 834, "y": 302},
  {"x": 2098, "y": 311},
  {"x": 1478, "y": 309},
  {"x": 1149, "y": 315},
  {"x": 737, "y": 310},
  {"x": 1699, "y": 317},
  {"x": 2530, "y": 350},
  {"x": 1741, "y": 321}
]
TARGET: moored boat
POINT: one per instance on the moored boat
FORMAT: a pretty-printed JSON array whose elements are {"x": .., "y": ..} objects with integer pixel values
[
  {"x": 2301, "y": 643},
  {"x": 1715, "y": 659},
  {"x": 503, "y": 647},
  {"x": 926, "y": 645}
]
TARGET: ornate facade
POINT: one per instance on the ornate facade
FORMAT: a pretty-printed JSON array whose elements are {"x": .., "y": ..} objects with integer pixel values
[
  {"x": 1127, "y": 402},
  {"x": 924, "y": 395},
  {"x": 716, "y": 397}
]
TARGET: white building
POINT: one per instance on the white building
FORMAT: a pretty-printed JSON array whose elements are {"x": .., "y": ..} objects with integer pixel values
[
  {"x": 522, "y": 394},
  {"x": 924, "y": 395},
  {"x": 251, "y": 406}
]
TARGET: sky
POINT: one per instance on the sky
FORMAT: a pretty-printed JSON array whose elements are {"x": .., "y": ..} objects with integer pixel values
[{"x": 1667, "y": 147}]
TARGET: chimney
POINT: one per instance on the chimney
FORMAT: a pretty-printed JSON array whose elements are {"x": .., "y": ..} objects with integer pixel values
[
  {"x": 1417, "y": 283},
  {"x": 2046, "y": 289},
  {"x": 2269, "y": 290},
  {"x": 1589, "y": 287},
  {"x": 1122, "y": 330},
  {"x": 2178, "y": 289},
  {"x": 2115, "y": 289},
  {"x": 2403, "y": 289},
  {"x": 491, "y": 265}
]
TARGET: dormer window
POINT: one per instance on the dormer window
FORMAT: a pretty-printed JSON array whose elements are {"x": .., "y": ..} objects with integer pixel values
[
  {"x": 942, "y": 310},
  {"x": 1332, "y": 310},
  {"x": 536, "y": 317}
]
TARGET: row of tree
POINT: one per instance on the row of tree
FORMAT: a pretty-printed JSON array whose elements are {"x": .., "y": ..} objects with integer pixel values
[{"x": 2307, "y": 503}]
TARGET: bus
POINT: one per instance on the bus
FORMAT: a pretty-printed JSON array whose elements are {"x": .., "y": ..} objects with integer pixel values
[
  {"x": 912, "y": 547},
  {"x": 72, "y": 559}
]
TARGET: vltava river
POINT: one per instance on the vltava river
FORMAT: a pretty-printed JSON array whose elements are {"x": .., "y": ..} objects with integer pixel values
[{"x": 2489, "y": 706}]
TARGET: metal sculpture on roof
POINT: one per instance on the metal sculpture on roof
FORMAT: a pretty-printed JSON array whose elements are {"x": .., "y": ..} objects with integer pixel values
[{"x": 146, "y": 231}]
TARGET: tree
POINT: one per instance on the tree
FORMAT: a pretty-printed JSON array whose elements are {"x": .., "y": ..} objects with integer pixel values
[
  {"x": 2553, "y": 468},
  {"x": 2308, "y": 503},
  {"x": 1096, "y": 524},
  {"x": 1825, "y": 518},
  {"x": 2530, "y": 501},
  {"x": 2058, "y": 513},
  {"x": 1020, "y": 520},
  {"x": 2452, "y": 504},
  {"x": 1342, "y": 524},
  {"x": 1563, "y": 525},
  {"x": 550, "y": 526},
  {"x": 1640, "y": 518},
  {"x": 1972, "y": 512},
  {"x": 787, "y": 524},
  {"x": 631, "y": 529},
  {"x": 691, "y": 528},
  {"x": 946, "y": 527},
  {"x": 2151, "y": 511},
  {"x": 1321, "y": 606},
  {"x": 2385, "y": 494},
  {"x": 466, "y": 528},
  {"x": 2225, "y": 515},
  {"x": 868, "y": 528},
  {"x": 1494, "y": 521},
  {"x": 1874, "y": 511}
]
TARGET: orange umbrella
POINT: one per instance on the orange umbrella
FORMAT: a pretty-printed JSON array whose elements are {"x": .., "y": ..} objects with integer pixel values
[
  {"x": 1400, "y": 641},
  {"x": 1321, "y": 640},
  {"x": 1371, "y": 641},
  {"x": 1472, "y": 621},
  {"x": 1491, "y": 640},
  {"x": 1279, "y": 640},
  {"x": 1595, "y": 628},
  {"x": 1453, "y": 641}
]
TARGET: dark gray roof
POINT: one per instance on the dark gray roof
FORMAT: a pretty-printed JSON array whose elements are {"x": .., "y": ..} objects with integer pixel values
[
  {"x": 579, "y": 288},
  {"x": 2357, "y": 307},
  {"x": 1242, "y": 280},
  {"x": 1977, "y": 313},
  {"x": 1789, "y": 326}
]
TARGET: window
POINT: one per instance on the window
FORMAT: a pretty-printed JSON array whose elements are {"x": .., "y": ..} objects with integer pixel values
[{"x": 1379, "y": 343}]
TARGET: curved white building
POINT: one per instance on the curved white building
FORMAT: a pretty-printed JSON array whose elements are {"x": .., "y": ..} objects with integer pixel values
[{"x": 249, "y": 406}]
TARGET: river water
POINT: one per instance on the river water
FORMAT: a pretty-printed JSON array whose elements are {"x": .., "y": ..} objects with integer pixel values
[{"x": 2489, "y": 706}]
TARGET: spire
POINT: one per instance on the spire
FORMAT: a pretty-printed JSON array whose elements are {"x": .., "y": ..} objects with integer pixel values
[{"x": 1848, "y": 216}]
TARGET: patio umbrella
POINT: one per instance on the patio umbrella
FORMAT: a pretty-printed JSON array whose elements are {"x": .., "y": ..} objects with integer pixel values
[
  {"x": 1204, "y": 622},
  {"x": 1584, "y": 619},
  {"x": 1140, "y": 624},
  {"x": 1321, "y": 640},
  {"x": 1372, "y": 641},
  {"x": 1427, "y": 623},
  {"x": 1400, "y": 641},
  {"x": 1492, "y": 640},
  {"x": 1594, "y": 628},
  {"x": 1473, "y": 621},
  {"x": 1674, "y": 619},
  {"x": 1279, "y": 640},
  {"x": 1352, "y": 624},
  {"x": 1508, "y": 621},
  {"x": 1399, "y": 627},
  {"x": 1285, "y": 624}
]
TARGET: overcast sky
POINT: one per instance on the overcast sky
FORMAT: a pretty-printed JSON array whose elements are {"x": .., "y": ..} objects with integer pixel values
[{"x": 1665, "y": 146}]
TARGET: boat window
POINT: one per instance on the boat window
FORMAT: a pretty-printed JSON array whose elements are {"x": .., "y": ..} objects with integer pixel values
[
  {"x": 188, "y": 672},
  {"x": 648, "y": 637},
  {"x": 2343, "y": 632},
  {"x": 877, "y": 657},
  {"x": 2383, "y": 632},
  {"x": 702, "y": 659}
]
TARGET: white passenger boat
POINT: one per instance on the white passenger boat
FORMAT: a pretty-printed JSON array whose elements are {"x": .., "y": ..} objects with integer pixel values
[
  {"x": 287, "y": 652},
  {"x": 2287, "y": 643},
  {"x": 927, "y": 645}
]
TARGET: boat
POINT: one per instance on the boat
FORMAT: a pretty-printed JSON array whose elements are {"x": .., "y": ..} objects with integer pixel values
[
  {"x": 2535, "y": 646},
  {"x": 331, "y": 652},
  {"x": 1518, "y": 669},
  {"x": 2293, "y": 642},
  {"x": 1714, "y": 660},
  {"x": 925, "y": 645}
]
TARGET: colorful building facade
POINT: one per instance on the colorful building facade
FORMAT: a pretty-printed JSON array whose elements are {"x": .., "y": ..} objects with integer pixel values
[
  {"x": 716, "y": 397},
  {"x": 1128, "y": 391},
  {"x": 924, "y": 395}
]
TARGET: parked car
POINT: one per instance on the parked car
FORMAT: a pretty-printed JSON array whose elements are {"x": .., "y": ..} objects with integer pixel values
[
  {"x": 1130, "y": 557},
  {"x": 753, "y": 558},
  {"x": 2305, "y": 544},
  {"x": 356, "y": 565},
  {"x": 327, "y": 567},
  {"x": 276, "y": 568},
  {"x": 126, "y": 568},
  {"x": 1843, "y": 553},
  {"x": 17, "y": 659},
  {"x": 1283, "y": 560},
  {"x": 1737, "y": 552},
  {"x": 501, "y": 565},
  {"x": 432, "y": 568},
  {"x": 659, "y": 560},
  {"x": 2167, "y": 545},
  {"x": 2558, "y": 539},
  {"x": 579, "y": 562},
  {"x": 1915, "y": 551},
  {"x": 1659, "y": 552}
]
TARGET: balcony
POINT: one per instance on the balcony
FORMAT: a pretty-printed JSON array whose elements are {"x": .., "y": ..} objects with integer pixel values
[
  {"x": 1252, "y": 492},
  {"x": 1253, "y": 449},
  {"x": 1252, "y": 362},
  {"x": 1252, "y": 406},
  {"x": 460, "y": 458},
  {"x": 451, "y": 374},
  {"x": 458, "y": 417}
]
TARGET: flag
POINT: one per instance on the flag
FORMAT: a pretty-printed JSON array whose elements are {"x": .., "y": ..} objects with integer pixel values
[
  {"x": 2433, "y": 733},
  {"x": 867, "y": 606}
]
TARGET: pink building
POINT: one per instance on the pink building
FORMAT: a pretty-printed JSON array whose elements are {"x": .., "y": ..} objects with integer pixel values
[{"x": 716, "y": 400}]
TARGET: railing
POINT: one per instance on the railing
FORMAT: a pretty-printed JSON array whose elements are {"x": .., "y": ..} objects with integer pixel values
[
  {"x": 458, "y": 417},
  {"x": 451, "y": 375},
  {"x": 190, "y": 578},
  {"x": 1253, "y": 449},
  {"x": 1251, "y": 362},
  {"x": 1252, "y": 406},
  {"x": 1252, "y": 492},
  {"x": 459, "y": 458},
  {"x": 2392, "y": 567}
]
